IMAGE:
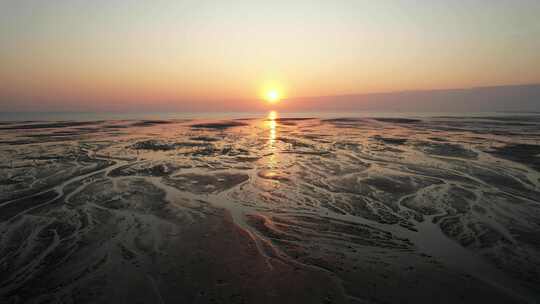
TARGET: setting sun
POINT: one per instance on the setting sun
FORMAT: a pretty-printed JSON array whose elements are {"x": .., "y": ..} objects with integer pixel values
[{"x": 272, "y": 96}]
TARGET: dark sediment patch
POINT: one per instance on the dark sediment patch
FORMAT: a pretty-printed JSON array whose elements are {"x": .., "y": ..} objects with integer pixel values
[
  {"x": 247, "y": 159},
  {"x": 143, "y": 170},
  {"x": 17, "y": 142},
  {"x": 446, "y": 149},
  {"x": 294, "y": 118},
  {"x": 60, "y": 134},
  {"x": 390, "y": 140},
  {"x": 154, "y": 145},
  {"x": 50, "y": 125},
  {"x": 194, "y": 147},
  {"x": 344, "y": 120},
  {"x": 519, "y": 118},
  {"x": 205, "y": 138},
  {"x": 347, "y": 122},
  {"x": 483, "y": 123},
  {"x": 149, "y": 123},
  {"x": 437, "y": 139},
  {"x": 290, "y": 121},
  {"x": 112, "y": 127},
  {"x": 528, "y": 155},
  {"x": 398, "y": 120},
  {"x": 11, "y": 209},
  {"x": 193, "y": 144},
  {"x": 219, "y": 125},
  {"x": 9, "y": 181}
]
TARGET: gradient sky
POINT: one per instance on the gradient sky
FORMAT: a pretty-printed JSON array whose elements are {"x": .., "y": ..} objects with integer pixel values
[{"x": 115, "y": 55}]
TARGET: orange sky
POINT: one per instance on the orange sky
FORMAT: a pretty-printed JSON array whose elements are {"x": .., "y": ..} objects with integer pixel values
[{"x": 102, "y": 55}]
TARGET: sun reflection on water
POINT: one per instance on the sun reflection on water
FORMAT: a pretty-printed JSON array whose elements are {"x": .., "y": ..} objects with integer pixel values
[
  {"x": 272, "y": 127},
  {"x": 271, "y": 122}
]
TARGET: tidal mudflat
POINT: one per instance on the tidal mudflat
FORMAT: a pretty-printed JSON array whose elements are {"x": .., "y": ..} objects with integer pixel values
[{"x": 273, "y": 210}]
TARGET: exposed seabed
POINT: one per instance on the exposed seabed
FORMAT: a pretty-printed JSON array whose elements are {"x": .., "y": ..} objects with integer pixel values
[{"x": 273, "y": 210}]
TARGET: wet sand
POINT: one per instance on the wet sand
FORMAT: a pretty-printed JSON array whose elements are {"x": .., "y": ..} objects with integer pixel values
[{"x": 271, "y": 210}]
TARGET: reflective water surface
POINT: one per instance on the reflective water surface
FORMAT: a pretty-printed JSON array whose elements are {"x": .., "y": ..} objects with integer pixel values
[{"x": 273, "y": 209}]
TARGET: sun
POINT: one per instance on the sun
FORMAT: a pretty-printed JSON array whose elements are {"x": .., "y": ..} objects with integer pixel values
[
  {"x": 272, "y": 92},
  {"x": 272, "y": 96}
]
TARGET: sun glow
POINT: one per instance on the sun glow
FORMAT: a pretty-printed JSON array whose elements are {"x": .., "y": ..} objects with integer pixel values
[
  {"x": 272, "y": 92},
  {"x": 273, "y": 96}
]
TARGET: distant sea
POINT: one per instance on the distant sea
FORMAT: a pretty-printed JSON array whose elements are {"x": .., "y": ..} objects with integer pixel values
[{"x": 88, "y": 116}]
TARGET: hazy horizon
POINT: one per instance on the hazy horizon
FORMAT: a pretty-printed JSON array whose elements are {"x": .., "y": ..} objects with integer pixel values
[{"x": 514, "y": 98}]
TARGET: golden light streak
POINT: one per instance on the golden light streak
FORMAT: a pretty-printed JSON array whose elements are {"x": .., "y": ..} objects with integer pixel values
[{"x": 272, "y": 127}]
